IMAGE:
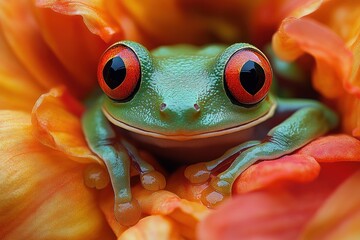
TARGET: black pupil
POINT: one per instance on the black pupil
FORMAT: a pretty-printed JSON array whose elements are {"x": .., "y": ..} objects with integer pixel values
[
  {"x": 252, "y": 77},
  {"x": 114, "y": 72}
]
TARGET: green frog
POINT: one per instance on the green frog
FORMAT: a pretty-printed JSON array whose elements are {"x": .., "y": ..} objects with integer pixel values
[{"x": 193, "y": 105}]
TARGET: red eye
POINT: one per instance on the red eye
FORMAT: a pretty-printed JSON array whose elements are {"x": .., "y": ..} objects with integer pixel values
[
  {"x": 248, "y": 77},
  {"x": 119, "y": 72}
]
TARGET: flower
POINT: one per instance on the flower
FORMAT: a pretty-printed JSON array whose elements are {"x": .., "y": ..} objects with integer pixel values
[
  {"x": 47, "y": 70},
  {"x": 318, "y": 31}
]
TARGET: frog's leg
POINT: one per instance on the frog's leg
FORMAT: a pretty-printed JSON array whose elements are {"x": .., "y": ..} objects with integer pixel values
[
  {"x": 103, "y": 141},
  {"x": 310, "y": 121}
]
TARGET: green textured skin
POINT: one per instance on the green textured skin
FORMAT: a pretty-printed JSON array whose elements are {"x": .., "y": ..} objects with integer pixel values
[{"x": 181, "y": 76}]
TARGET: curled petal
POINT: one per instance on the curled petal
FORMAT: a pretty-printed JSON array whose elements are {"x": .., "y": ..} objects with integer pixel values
[
  {"x": 77, "y": 48},
  {"x": 295, "y": 167},
  {"x": 333, "y": 148},
  {"x": 56, "y": 120},
  {"x": 298, "y": 36},
  {"x": 351, "y": 113},
  {"x": 352, "y": 84},
  {"x": 94, "y": 13},
  {"x": 42, "y": 196},
  {"x": 301, "y": 8},
  {"x": 339, "y": 217}
]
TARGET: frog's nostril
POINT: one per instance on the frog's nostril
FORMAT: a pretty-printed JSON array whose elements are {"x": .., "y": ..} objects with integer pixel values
[
  {"x": 162, "y": 107},
  {"x": 196, "y": 107}
]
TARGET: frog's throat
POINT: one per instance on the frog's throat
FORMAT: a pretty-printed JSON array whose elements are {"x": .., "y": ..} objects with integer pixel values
[{"x": 185, "y": 137}]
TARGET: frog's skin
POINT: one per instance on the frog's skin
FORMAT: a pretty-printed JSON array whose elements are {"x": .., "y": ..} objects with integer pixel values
[{"x": 178, "y": 105}]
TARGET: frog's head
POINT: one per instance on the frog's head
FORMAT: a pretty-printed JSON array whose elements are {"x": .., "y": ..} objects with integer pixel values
[{"x": 182, "y": 92}]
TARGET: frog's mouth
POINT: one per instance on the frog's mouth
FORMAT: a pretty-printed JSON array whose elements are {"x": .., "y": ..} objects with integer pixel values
[{"x": 190, "y": 136}]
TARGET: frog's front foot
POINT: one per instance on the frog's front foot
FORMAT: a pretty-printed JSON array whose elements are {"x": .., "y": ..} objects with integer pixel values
[
  {"x": 95, "y": 176},
  {"x": 218, "y": 190},
  {"x": 220, "y": 184},
  {"x": 127, "y": 213},
  {"x": 219, "y": 187}
]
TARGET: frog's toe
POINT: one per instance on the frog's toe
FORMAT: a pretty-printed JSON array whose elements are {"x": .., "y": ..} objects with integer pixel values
[
  {"x": 127, "y": 213},
  {"x": 197, "y": 173},
  {"x": 95, "y": 176},
  {"x": 218, "y": 190},
  {"x": 153, "y": 180},
  {"x": 221, "y": 185},
  {"x": 212, "y": 198}
]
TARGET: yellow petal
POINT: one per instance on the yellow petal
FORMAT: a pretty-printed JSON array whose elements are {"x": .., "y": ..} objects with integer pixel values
[
  {"x": 18, "y": 89},
  {"x": 303, "y": 7},
  {"x": 339, "y": 217},
  {"x": 152, "y": 227},
  {"x": 56, "y": 119},
  {"x": 24, "y": 39},
  {"x": 42, "y": 194}
]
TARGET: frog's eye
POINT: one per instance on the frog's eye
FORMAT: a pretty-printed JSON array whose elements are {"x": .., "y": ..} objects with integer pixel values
[
  {"x": 119, "y": 72},
  {"x": 247, "y": 77}
]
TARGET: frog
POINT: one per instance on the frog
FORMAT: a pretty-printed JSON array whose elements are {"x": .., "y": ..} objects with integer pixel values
[{"x": 192, "y": 105}]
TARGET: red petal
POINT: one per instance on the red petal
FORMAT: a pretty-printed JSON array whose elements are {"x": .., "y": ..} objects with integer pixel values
[
  {"x": 291, "y": 168},
  {"x": 333, "y": 148},
  {"x": 277, "y": 214},
  {"x": 339, "y": 217}
]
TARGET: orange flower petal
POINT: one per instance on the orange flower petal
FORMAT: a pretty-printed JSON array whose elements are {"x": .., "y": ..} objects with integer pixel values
[
  {"x": 18, "y": 90},
  {"x": 333, "y": 148},
  {"x": 39, "y": 56},
  {"x": 295, "y": 167},
  {"x": 56, "y": 120},
  {"x": 268, "y": 15},
  {"x": 179, "y": 25},
  {"x": 153, "y": 227},
  {"x": 24, "y": 38},
  {"x": 352, "y": 84},
  {"x": 273, "y": 214},
  {"x": 298, "y": 9},
  {"x": 77, "y": 48},
  {"x": 296, "y": 36},
  {"x": 42, "y": 195},
  {"x": 184, "y": 215},
  {"x": 94, "y": 13},
  {"x": 351, "y": 113},
  {"x": 339, "y": 217}
]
